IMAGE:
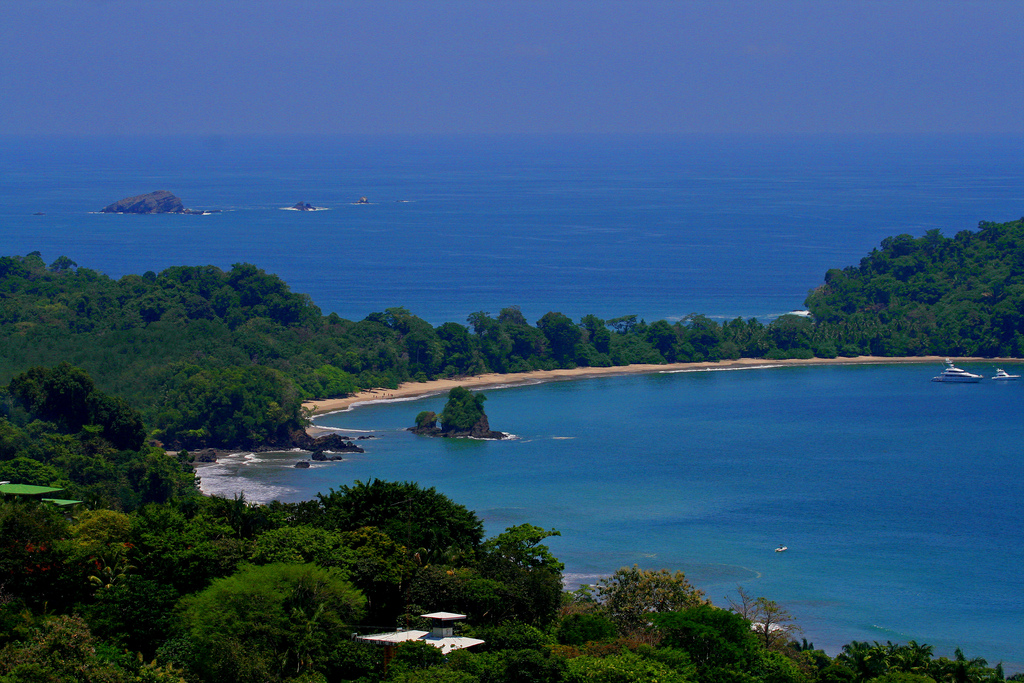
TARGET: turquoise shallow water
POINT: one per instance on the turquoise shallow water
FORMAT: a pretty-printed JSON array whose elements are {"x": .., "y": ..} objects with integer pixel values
[{"x": 900, "y": 499}]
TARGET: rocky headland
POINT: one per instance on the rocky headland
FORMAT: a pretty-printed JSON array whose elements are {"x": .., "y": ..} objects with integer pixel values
[{"x": 322, "y": 448}]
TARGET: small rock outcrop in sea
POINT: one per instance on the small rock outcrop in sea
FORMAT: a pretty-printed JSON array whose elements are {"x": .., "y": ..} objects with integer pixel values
[
  {"x": 320, "y": 456},
  {"x": 480, "y": 430},
  {"x": 160, "y": 201},
  {"x": 330, "y": 442},
  {"x": 205, "y": 455},
  {"x": 463, "y": 416},
  {"x": 302, "y": 464},
  {"x": 304, "y": 206}
]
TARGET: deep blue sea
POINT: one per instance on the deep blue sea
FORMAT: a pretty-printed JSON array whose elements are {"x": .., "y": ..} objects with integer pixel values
[{"x": 900, "y": 499}]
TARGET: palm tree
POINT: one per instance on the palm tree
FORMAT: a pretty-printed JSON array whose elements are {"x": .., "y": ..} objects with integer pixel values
[
  {"x": 961, "y": 670},
  {"x": 866, "y": 660},
  {"x": 914, "y": 658},
  {"x": 111, "y": 568}
]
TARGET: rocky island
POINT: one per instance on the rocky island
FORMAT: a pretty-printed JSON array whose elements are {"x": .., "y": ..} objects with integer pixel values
[
  {"x": 463, "y": 416},
  {"x": 304, "y": 206},
  {"x": 160, "y": 201}
]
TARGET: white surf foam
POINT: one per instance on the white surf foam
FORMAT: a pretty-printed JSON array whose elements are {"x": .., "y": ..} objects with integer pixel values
[{"x": 738, "y": 367}]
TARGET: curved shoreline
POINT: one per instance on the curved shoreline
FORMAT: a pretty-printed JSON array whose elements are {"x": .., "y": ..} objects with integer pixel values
[{"x": 410, "y": 390}]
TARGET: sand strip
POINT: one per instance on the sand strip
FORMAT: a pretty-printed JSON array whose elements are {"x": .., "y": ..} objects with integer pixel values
[{"x": 442, "y": 386}]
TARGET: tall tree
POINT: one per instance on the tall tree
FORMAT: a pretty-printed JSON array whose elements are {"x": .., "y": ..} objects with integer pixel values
[
  {"x": 425, "y": 521},
  {"x": 632, "y": 595},
  {"x": 269, "y": 623},
  {"x": 772, "y": 623},
  {"x": 563, "y": 335}
]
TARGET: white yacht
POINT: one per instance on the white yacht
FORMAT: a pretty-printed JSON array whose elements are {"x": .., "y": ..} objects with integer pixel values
[
  {"x": 955, "y": 374},
  {"x": 1002, "y": 374}
]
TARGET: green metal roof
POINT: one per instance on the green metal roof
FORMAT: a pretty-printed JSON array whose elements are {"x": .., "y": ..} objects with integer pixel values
[
  {"x": 26, "y": 490},
  {"x": 61, "y": 501}
]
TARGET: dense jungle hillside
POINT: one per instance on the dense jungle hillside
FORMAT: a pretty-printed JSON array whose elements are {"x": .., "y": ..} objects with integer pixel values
[{"x": 959, "y": 296}]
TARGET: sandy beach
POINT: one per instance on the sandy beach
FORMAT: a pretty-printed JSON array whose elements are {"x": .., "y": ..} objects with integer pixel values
[{"x": 440, "y": 386}]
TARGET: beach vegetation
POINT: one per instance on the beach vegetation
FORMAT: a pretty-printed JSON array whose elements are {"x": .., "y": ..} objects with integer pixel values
[
  {"x": 563, "y": 335},
  {"x": 426, "y": 419}
]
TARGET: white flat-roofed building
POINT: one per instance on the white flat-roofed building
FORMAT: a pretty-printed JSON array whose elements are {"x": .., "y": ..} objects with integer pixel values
[{"x": 440, "y": 636}]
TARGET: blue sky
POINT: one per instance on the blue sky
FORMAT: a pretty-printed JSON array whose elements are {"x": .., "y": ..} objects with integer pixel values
[{"x": 511, "y": 66}]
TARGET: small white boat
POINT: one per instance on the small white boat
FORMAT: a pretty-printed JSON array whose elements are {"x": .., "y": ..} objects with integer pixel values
[
  {"x": 955, "y": 374},
  {"x": 1002, "y": 374},
  {"x": 781, "y": 549}
]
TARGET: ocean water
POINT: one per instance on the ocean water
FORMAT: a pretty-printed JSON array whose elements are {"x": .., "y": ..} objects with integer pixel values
[
  {"x": 657, "y": 227},
  {"x": 899, "y": 499}
]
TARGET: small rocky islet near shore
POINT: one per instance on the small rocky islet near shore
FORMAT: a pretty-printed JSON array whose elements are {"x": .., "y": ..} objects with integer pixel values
[{"x": 463, "y": 417}]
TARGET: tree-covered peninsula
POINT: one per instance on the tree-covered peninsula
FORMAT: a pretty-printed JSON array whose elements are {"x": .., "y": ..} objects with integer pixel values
[
  {"x": 931, "y": 295},
  {"x": 225, "y": 358}
]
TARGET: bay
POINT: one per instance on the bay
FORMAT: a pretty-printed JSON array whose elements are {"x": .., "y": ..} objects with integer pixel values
[{"x": 899, "y": 499}]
